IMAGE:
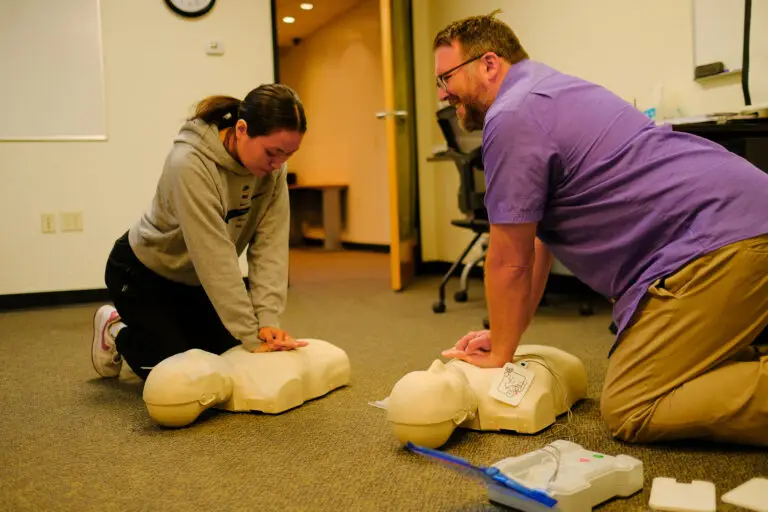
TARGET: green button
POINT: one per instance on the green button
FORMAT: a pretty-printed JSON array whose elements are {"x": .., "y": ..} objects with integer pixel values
[{"x": 598, "y": 456}]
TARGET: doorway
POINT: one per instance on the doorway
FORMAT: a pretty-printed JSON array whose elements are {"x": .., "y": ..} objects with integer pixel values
[{"x": 350, "y": 61}]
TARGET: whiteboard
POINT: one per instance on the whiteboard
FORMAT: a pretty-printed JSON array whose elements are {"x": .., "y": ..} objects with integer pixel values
[
  {"x": 53, "y": 73},
  {"x": 718, "y": 32}
]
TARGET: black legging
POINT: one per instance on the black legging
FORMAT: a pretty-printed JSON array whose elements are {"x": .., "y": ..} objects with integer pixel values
[{"x": 162, "y": 317}]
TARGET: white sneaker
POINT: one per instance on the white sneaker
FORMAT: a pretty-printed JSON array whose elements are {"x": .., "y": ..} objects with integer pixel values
[{"x": 106, "y": 361}]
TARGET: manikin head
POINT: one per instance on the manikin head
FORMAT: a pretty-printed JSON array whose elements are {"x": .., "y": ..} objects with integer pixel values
[
  {"x": 426, "y": 406},
  {"x": 263, "y": 130},
  {"x": 184, "y": 385},
  {"x": 472, "y": 57}
]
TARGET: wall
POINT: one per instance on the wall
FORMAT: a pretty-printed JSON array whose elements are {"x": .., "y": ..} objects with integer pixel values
[
  {"x": 155, "y": 70},
  {"x": 337, "y": 72},
  {"x": 627, "y": 46}
]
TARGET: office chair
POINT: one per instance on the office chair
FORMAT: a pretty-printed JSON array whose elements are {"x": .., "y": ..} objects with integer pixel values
[
  {"x": 470, "y": 199},
  {"x": 471, "y": 204}
]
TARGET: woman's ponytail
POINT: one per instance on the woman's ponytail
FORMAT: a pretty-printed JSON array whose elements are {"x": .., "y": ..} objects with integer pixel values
[{"x": 219, "y": 110}]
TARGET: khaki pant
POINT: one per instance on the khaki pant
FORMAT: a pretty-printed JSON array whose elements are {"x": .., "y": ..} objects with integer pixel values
[{"x": 685, "y": 368}]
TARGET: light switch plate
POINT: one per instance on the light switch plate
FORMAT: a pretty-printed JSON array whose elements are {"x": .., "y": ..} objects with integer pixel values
[{"x": 214, "y": 47}]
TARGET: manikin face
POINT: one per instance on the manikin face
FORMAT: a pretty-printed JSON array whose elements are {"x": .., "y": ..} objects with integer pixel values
[
  {"x": 262, "y": 155},
  {"x": 439, "y": 394},
  {"x": 455, "y": 383},
  {"x": 192, "y": 376},
  {"x": 462, "y": 82}
]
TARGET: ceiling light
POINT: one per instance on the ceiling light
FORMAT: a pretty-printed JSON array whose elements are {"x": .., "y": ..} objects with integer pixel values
[
  {"x": 289, "y": 19},
  {"x": 307, "y": 6}
]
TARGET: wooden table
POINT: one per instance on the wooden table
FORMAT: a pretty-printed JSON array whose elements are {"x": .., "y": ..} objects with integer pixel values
[{"x": 331, "y": 211}]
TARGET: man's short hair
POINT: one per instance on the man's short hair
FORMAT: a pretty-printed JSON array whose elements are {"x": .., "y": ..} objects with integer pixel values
[{"x": 481, "y": 34}]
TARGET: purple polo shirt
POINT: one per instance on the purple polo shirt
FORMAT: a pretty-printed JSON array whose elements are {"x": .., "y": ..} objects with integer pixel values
[{"x": 620, "y": 201}]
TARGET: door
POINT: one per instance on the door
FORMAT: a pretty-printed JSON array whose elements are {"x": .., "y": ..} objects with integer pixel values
[{"x": 398, "y": 115}]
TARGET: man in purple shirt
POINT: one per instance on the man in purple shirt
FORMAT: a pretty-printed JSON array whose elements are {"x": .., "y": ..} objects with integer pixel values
[{"x": 671, "y": 227}]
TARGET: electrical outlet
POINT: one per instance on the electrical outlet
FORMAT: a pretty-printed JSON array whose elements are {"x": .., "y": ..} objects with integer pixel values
[
  {"x": 71, "y": 221},
  {"x": 48, "y": 223}
]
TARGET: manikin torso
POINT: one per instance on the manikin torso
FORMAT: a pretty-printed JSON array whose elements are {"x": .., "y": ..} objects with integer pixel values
[
  {"x": 182, "y": 386},
  {"x": 426, "y": 406}
]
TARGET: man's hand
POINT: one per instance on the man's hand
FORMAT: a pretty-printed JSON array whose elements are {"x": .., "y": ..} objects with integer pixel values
[
  {"x": 276, "y": 340},
  {"x": 470, "y": 343},
  {"x": 483, "y": 359},
  {"x": 475, "y": 348}
]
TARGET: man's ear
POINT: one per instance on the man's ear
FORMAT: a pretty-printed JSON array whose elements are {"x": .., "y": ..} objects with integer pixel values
[{"x": 492, "y": 65}]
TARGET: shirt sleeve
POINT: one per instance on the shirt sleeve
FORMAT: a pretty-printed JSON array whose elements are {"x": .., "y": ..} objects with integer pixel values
[
  {"x": 198, "y": 206},
  {"x": 517, "y": 157},
  {"x": 268, "y": 258}
]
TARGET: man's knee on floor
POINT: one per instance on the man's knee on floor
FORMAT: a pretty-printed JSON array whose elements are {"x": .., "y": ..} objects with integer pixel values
[
  {"x": 611, "y": 413},
  {"x": 625, "y": 423}
]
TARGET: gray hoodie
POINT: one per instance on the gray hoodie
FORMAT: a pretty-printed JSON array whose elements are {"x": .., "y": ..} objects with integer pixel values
[{"x": 207, "y": 209}]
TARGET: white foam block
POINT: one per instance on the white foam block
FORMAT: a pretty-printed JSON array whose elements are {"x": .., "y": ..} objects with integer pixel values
[
  {"x": 698, "y": 496},
  {"x": 752, "y": 494}
]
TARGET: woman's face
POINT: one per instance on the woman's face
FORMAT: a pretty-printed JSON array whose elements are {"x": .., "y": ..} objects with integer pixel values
[{"x": 262, "y": 155}]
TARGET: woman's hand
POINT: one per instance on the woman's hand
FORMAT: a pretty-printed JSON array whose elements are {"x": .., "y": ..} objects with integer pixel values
[{"x": 276, "y": 340}]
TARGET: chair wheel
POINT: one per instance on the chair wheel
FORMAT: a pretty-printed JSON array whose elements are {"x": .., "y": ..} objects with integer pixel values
[
  {"x": 613, "y": 328},
  {"x": 586, "y": 310},
  {"x": 438, "y": 307},
  {"x": 460, "y": 296},
  {"x": 486, "y": 323}
]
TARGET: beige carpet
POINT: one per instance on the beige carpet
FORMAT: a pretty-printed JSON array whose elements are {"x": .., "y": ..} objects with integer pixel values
[{"x": 71, "y": 441}]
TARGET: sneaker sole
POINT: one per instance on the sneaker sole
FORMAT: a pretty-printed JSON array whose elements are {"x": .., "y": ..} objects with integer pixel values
[{"x": 96, "y": 345}]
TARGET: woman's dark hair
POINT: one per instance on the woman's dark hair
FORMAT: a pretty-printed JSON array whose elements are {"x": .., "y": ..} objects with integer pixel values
[{"x": 266, "y": 109}]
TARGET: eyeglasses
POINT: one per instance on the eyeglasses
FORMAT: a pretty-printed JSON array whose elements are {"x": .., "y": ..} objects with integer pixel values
[{"x": 443, "y": 77}]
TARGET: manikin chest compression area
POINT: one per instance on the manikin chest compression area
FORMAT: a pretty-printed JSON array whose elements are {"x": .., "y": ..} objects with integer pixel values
[
  {"x": 184, "y": 385},
  {"x": 425, "y": 407}
]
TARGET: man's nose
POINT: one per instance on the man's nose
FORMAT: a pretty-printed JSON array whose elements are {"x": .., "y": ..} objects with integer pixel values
[{"x": 442, "y": 94}]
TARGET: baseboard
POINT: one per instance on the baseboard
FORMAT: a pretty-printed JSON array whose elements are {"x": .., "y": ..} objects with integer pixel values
[
  {"x": 48, "y": 299},
  {"x": 555, "y": 284},
  {"x": 350, "y": 246}
]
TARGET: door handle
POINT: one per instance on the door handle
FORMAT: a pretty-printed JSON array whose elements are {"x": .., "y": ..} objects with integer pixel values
[{"x": 394, "y": 113}]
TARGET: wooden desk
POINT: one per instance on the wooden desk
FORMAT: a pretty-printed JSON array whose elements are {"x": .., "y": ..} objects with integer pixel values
[
  {"x": 443, "y": 156},
  {"x": 331, "y": 211}
]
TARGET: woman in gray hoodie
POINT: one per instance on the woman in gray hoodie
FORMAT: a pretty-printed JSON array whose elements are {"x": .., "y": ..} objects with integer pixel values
[{"x": 174, "y": 276}]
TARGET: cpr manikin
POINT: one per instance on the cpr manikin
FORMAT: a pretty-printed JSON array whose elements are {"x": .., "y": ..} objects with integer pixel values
[
  {"x": 184, "y": 385},
  {"x": 426, "y": 406}
]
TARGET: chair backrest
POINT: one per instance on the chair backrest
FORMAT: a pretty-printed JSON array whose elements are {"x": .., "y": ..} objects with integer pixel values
[
  {"x": 449, "y": 125},
  {"x": 469, "y": 163}
]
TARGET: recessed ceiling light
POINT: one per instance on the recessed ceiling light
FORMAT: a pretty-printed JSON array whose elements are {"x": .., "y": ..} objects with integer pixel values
[
  {"x": 307, "y": 6},
  {"x": 289, "y": 19}
]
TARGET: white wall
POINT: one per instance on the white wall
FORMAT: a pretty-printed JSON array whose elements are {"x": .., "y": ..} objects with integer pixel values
[
  {"x": 337, "y": 72},
  {"x": 624, "y": 45},
  {"x": 155, "y": 70}
]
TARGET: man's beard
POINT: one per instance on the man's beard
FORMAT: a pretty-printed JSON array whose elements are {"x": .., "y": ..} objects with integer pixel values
[{"x": 473, "y": 119}]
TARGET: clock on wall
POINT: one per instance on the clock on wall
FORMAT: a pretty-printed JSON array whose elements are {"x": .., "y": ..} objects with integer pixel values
[{"x": 190, "y": 8}]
